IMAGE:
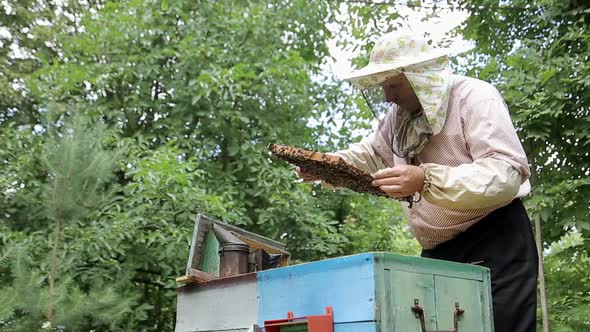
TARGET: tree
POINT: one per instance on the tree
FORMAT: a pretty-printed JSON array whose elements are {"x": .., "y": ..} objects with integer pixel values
[
  {"x": 190, "y": 94},
  {"x": 77, "y": 169}
]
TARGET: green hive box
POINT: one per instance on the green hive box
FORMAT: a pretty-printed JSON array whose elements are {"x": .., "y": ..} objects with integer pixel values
[
  {"x": 439, "y": 286},
  {"x": 378, "y": 292}
]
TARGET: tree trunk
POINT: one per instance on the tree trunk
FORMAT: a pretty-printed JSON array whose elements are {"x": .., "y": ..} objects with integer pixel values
[
  {"x": 539, "y": 241},
  {"x": 544, "y": 311},
  {"x": 53, "y": 268}
]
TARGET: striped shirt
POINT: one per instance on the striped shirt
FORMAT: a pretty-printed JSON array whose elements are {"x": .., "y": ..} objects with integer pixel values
[{"x": 477, "y": 126}]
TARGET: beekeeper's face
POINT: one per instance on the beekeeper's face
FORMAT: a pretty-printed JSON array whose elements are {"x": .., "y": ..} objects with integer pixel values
[{"x": 398, "y": 90}]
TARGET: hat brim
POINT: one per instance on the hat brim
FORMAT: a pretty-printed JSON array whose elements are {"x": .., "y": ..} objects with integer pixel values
[{"x": 375, "y": 74}]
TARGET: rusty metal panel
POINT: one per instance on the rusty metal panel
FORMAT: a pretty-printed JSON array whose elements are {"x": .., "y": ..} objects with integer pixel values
[{"x": 228, "y": 304}]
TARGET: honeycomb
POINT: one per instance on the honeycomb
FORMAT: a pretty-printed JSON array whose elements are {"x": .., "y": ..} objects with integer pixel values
[{"x": 331, "y": 169}]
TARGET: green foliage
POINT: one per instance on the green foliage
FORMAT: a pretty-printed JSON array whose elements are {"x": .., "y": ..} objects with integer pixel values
[
  {"x": 383, "y": 229},
  {"x": 78, "y": 166},
  {"x": 25, "y": 300},
  {"x": 31, "y": 31},
  {"x": 568, "y": 284},
  {"x": 188, "y": 94},
  {"x": 22, "y": 178}
]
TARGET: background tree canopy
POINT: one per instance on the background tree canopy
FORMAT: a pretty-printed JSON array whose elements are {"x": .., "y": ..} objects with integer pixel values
[{"x": 121, "y": 120}]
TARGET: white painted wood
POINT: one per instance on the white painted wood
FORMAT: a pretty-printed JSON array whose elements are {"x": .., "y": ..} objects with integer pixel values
[{"x": 223, "y": 305}]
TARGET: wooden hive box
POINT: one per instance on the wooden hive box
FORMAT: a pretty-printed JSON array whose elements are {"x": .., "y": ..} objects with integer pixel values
[{"x": 374, "y": 292}]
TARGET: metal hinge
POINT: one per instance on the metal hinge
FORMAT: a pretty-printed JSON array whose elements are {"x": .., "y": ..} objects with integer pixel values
[{"x": 419, "y": 313}]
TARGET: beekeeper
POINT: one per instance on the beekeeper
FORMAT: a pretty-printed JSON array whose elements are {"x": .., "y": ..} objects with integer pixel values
[{"x": 448, "y": 140}]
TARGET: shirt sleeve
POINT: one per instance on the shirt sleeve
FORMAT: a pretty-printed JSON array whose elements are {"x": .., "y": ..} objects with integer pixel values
[
  {"x": 484, "y": 183},
  {"x": 489, "y": 132},
  {"x": 362, "y": 155},
  {"x": 499, "y": 164}
]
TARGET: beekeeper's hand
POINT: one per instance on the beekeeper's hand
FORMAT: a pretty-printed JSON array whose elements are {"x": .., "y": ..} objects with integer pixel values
[
  {"x": 306, "y": 177},
  {"x": 399, "y": 181}
]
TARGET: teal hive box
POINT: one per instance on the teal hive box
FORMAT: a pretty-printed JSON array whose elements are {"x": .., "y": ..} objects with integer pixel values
[{"x": 377, "y": 291}]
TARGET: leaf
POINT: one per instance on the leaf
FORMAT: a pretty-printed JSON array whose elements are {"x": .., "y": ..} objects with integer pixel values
[{"x": 164, "y": 5}]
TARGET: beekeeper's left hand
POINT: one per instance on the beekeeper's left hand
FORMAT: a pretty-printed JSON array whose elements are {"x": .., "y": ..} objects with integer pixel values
[{"x": 399, "y": 181}]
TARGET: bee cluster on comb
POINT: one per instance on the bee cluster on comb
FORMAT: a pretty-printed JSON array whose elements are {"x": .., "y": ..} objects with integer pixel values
[{"x": 330, "y": 168}]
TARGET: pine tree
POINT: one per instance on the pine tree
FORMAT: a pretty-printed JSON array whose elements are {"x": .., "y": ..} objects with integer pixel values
[
  {"x": 79, "y": 167},
  {"x": 25, "y": 300}
]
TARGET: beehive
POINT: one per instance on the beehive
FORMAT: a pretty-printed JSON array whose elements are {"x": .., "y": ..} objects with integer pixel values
[{"x": 371, "y": 292}]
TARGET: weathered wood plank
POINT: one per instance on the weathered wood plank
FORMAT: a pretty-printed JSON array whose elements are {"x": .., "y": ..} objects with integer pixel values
[{"x": 196, "y": 276}]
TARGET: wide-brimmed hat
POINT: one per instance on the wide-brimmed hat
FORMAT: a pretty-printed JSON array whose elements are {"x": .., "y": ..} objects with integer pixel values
[{"x": 391, "y": 53}]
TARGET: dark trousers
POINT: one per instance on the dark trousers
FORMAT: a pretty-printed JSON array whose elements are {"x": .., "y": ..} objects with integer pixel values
[{"x": 503, "y": 242}]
